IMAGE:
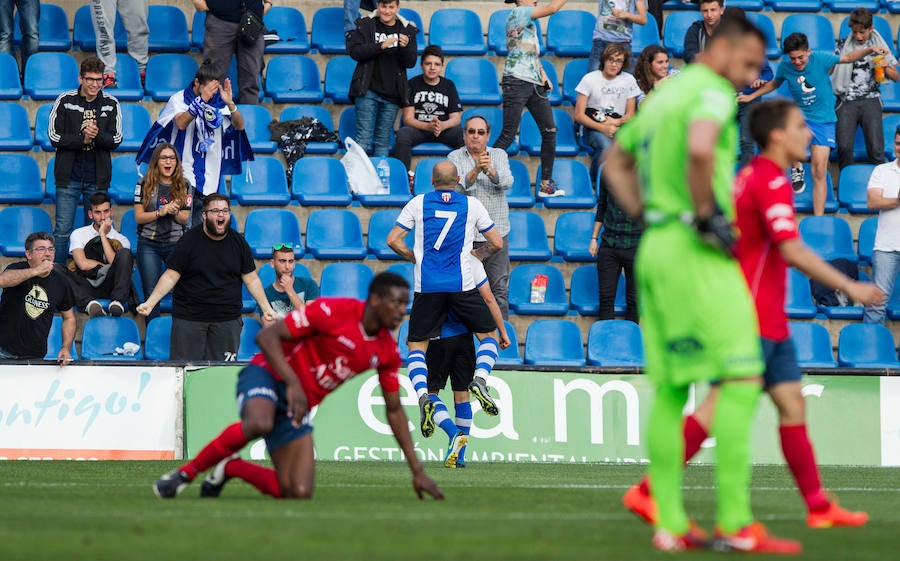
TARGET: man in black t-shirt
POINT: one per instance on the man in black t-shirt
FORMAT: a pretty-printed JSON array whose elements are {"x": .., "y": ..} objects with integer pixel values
[
  {"x": 433, "y": 112},
  {"x": 206, "y": 269},
  {"x": 32, "y": 290}
]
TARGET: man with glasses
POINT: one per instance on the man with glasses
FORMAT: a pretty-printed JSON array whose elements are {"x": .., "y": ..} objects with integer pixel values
[
  {"x": 484, "y": 174},
  {"x": 288, "y": 292},
  {"x": 32, "y": 291},
  {"x": 206, "y": 270},
  {"x": 85, "y": 126}
]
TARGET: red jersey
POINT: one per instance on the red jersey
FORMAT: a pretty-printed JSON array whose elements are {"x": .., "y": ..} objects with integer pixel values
[
  {"x": 330, "y": 346},
  {"x": 764, "y": 203}
]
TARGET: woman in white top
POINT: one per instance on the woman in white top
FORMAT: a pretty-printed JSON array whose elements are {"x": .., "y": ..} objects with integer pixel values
[{"x": 651, "y": 68}]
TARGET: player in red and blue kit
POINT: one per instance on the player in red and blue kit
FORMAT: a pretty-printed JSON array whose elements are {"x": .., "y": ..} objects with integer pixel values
[
  {"x": 303, "y": 358},
  {"x": 769, "y": 242}
]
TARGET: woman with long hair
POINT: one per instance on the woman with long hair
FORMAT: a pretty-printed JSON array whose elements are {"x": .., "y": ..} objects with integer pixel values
[
  {"x": 162, "y": 210},
  {"x": 651, "y": 68}
]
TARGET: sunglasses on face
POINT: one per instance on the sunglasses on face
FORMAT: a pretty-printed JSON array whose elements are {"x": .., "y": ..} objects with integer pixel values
[{"x": 480, "y": 132}]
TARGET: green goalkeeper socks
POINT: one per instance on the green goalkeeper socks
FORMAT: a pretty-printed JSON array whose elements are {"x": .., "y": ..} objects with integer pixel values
[{"x": 665, "y": 443}]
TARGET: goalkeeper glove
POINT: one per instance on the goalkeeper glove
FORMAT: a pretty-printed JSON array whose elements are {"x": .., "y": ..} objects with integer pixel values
[{"x": 717, "y": 230}]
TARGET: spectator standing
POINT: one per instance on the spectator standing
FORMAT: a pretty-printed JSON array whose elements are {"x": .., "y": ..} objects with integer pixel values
[
  {"x": 32, "y": 290},
  {"x": 206, "y": 269},
  {"x": 699, "y": 32},
  {"x": 134, "y": 20},
  {"x": 748, "y": 146},
  {"x": 857, "y": 89},
  {"x": 607, "y": 99},
  {"x": 651, "y": 68},
  {"x": 288, "y": 292},
  {"x": 883, "y": 195},
  {"x": 615, "y": 19},
  {"x": 162, "y": 210},
  {"x": 29, "y": 16},
  {"x": 85, "y": 126},
  {"x": 207, "y": 129},
  {"x": 484, "y": 174},
  {"x": 525, "y": 84},
  {"x": 102, "y": 261},
  {"x": 383, "y": 46},
  {"x": 433, "y": 112},
  {"x": 222, "y": 40},
  {"x": 351, "y": 13}
]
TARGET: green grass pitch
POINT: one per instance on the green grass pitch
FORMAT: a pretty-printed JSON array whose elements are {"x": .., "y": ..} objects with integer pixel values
[{"x": 368, "y": 511}]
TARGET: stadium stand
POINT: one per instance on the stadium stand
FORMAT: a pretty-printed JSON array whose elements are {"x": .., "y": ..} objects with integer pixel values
[
  {"x": 15, "y": 128},
  {"x": 102, "y": 337},
  {"x": 795, "y": 6},
  {"x": 852, "y": 188},
  {"x": 198, "y": 31},
  {"x": 571, "y": 231},
  {"x": 320, "y": 181},
  {"x": 344, "y": 279},
  {"x": 338, "y": 72},
  {"x": 675, "y": 28},
  {"x": 829, "y": 236},
  {"x": 765, "y": 24},
  {"x": 866, "y": 345},
  {"x": 380, "y": 223},
  {"x": 334, "y": 234},
  {"x": 41, "y": 124},
  {"x": 574, "y": 70},
  {"x": 615, "y": 343},
  {"x": 83, "y": 36},
  {"x": 169, "y": 73},
  {"x": 157, "y": 338},
  {"x": 813, "y": 345},
  {"x": 457, "y": 32},
  {"x": 566, "y": 143},
  {"x": 569, "y": 33},
  {"x": 256, "y": 125},
  {"x": 816, "y": 27},
  {"x": 422, "y": 182},
  {"x": 803, "y": 200},
  {"x": 10, "y": 85},
  {"x": 49, "y": 74},
  {"x": 124, "y": 179},
  {"x": 54, "y": 340},
  {"x": 295, "y": 112},
  {"x": 128, "y": 228},
  {"x": 554, "y": 342},
  {"x": 20, "y": 183},
  {"x": 262, "y": 183},
  {"x": 168, "y": 30},
  {"x": 555, "y": 94},
  {"x": 799, "y": 303},
  {"x": 128, "y": 77},
  {"x": 413, "y": 17},
  {"x": 521, "y": 194},
  {"x": 291, "y": 27},
  {"x": 265, "y": 227},
  {"x": 527, "y": 237},
  {"x": 53, "y": 30},
  {"x": 399, "y": 194},
  {"x": 135, "y": 124},
  {"x": 327, "y": 31},
  {"x": 247, "y": 346},
  {"x": 645, "y": 35},
  {"x": 866, "y": 239},
  {"x": 572, "y": 176},
  {"x": 520, "y": 301},
  {"x": 16, "y": 222},
  {"x": 476, "y": 81},
  {"x": 293, "y": 79},
  {"x": 510, "y": 355}
]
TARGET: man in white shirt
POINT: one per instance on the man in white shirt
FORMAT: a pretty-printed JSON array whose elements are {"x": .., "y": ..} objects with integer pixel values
[
  {"x": 883, "y": 195},
  {"x": 103, "y": 261}
]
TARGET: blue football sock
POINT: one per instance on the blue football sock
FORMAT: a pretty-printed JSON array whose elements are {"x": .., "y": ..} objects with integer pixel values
[
  {"x": 418, "y": 372},
  {"x": 485, "y": 357},
  {"x": 463, "y": 423},
  {"x": 441, "y": 417}
]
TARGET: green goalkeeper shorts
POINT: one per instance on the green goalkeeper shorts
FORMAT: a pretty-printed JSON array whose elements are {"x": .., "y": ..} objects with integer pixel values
[{"x": 698, "y": 319}]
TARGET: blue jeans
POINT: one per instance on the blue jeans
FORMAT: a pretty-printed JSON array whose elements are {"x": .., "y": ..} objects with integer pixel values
[
  {"x": 29, "y": 14},
  {"x": 885, "y": 265},
  {"x": 67, "y": 199},
  {"x": 375, "y": 117},
  {"x": 151, "y": 257},
  {"x": 748, "y": 146},
  {"x": 351, "y": 12},
  {"x": 600, "y": 143},
  {"x": 597, "y": 46}
]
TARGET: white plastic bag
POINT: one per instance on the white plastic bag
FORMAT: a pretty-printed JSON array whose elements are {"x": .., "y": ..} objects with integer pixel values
[{"x": 361, "y": 173}]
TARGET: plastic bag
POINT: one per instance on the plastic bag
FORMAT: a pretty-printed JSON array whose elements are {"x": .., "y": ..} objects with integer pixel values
[{"x": 361, "y": 174}]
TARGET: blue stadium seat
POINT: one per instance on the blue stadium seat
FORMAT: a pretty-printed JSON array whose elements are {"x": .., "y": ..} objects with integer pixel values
[
  {"x": 135, "y": 124},
  {"x": 615, "y": 343},
  {"x": 555, "y": 302},
  {"x": 414, "y": 18},
  {"x": 476, "y": 81},
  {"x": 799, "y": 302},
  {"x": 380, "y": 224},
  {"x": 496, "y": 35},
  {"x": 16, "y": 222},
  {"x": 20, "y": 182},
  {"x": 816, "y": 27},
  {"x": 54, "y": 338},
  {"x": 569, "y": 33},
  {"x": 456, "y": 32},
  {"x": 293, "y": 112},
  {"x": 41, "y": 124},
  {"x": 839, "y": 6},
  {"x": 247, "y": 346},
  {"x": 890, "y": 101},
  {"x": 675, "y": 28},
  {"x": 399, "y": 194},
  {"x": 53, "y": 30},
  {"x": 320, "y": 181},
  {"x": 566, "y": 143},
  {"x": 327, "y": 31},
  {"x": 521, "y": 194},
  {"x": 813, "y": 345},
  {"x": 265, "y": 227},
  {"x": 422, "y": 182},
  {"x": 645, "y": 35},
  {"x": 128, "y": 78},
  {"x": 49, "y": 74},
  {"x": 158, "y": 338},
  {"x": 334, "y": 233},
  {"x": 510, "y": 355},
  {"x": 15, "y": 128},
  {"x": 572, "y": 236},
  {"x": 556, "y": 97},
  {"x": 102, "y": 335},
  {"x": 865, "y": 244},
  {"x": 803, "y": 201},
  {"x": 881, "y": 26},
  {"x": 572, "y": 74},
  {"x": 494, "y": 116},
  {"x": 852, "y": 188},
  {"x": 527, "y": 237},
  {"x": 866, "y": 345},
  {"x": 573, "y": 177},
  {"x": 406, "y": 270},
  {"x": 890, "y": 123},
  {"x": 679, "y": 6},
  {"x": 291, "y": 27},
  {"x": 765, "y": 24},
  {"x": 124, "y": 179},
  {"x": 128, "y": 228},
  {"x": 554, "y": 342},
  {"x": 402, "y": 346},
  {"x": 748, "y": 5},
  {"x": 169, "y": 73},
  {"x": 347, "y": 280},
  {"x": 10, "y": 85},
  {"x": 795, "y": 6},
  {"x": 198, "y": 31},
  {"x": 829, "y": 236},
  {"x": 338, "y": 73},
  {"x": 293, "y": 79},
  {"x": 256, "y": 125},
  {"x": 347, "y": 127},
  {"x": 584, "y": 292},
  {"x": 168, "y": 30},
  {"x": 83, "y": 31},
  {"x": 269, "y": 185}
]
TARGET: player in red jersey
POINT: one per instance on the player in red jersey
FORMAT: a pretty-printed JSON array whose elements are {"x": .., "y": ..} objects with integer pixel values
[
  {"x": 769, "y": 242},
  {"x": 303, "y": 358}
]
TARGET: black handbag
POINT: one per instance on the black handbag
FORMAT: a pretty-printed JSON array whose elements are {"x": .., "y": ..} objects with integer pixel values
[{"x": 252, "y": 26}]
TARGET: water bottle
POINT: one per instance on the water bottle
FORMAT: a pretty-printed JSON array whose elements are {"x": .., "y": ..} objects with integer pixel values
[{"x": 384, "y": 175}]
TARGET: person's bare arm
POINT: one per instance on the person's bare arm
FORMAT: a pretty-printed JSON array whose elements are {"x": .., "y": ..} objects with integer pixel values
[
  {"x": 769, "y": 86},
  {"x": 68, "y": 336},
  {"x": 409, "y": 119},
  {"x": 494, "y": 243},
  {"x": 454, "y": 120},
  {"x": 639, "y": 18},
  {"x": 256, "y": 290},
  {"x": 606, "y": 127},
  {"x": 15, "y": 277},
  {"x": 876, "y": 200},
  {"x": 622, "y": 180},
  {"x": 200, "y": 5},
  {"x": 861, "y": 53},
  {"x": 548, "y": 9},
  {"x": 797, "y": 254},
  {"x": 237, "y": 120},
  {"x": 396, "y": 240},
  {"x": 488, "y": 297},
  {"x": 399, "y": 423},
  {"x": 82, "y": 261},
  {"x": 164, "y": 285}
]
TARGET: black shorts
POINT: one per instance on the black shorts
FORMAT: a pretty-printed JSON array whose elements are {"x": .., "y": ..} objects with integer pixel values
[
  {"x": 429, "y": 310},
  {"x": 454, "y": 358}
]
